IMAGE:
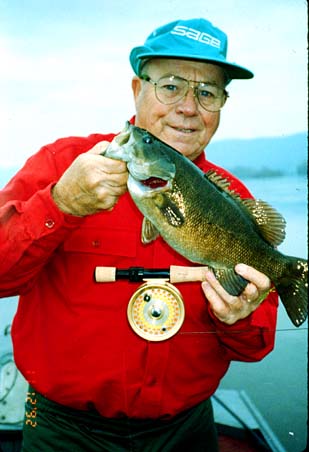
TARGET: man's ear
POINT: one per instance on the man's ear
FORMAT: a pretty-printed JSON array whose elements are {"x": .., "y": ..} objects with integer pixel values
[{"x": 136, "y": 87}]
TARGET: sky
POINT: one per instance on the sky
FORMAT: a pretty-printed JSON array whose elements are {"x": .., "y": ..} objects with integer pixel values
[{"x": 64, "y": 67}]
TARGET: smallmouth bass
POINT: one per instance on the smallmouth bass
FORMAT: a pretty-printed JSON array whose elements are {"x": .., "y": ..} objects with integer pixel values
[{"x": 200, "y": 218}]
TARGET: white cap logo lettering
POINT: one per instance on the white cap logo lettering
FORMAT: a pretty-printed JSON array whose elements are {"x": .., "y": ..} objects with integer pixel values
[{"x": 196, "y": 35}]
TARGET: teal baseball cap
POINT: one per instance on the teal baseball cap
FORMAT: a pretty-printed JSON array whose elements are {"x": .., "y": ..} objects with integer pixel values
[{"x": 191, "y": 39}]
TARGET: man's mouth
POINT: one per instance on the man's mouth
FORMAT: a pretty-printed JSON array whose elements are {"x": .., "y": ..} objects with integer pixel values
[{"x": 184, "y": 130}]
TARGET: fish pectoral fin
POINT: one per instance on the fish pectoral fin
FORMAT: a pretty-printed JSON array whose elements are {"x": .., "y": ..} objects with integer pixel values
[
  {"x": 170, "y": 210},
  {"x": 149, "y": 231},
  {"x": 270, "y": 222},
  {"x": 233, "y": 283}
]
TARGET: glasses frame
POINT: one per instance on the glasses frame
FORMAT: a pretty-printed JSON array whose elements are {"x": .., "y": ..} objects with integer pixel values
[{"x": 190, "y": 84}]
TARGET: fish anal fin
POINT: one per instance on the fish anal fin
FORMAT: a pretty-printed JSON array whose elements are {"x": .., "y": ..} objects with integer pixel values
[
  {"x": 233, "y": 283},
  {"x": 149, "y": 231},
  {"x": 270, "y": 222}
]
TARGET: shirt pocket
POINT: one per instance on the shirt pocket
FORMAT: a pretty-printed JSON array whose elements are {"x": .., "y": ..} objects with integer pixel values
[
  {"x": 86, "y": 249},
  {"x": 103, "y": 241}
]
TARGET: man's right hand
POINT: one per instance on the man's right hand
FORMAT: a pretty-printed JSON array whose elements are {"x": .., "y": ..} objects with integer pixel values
[{"x": 92, "y": 183}]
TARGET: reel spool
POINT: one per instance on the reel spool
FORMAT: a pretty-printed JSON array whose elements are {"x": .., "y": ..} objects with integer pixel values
[{"x": 156, "y": 310}]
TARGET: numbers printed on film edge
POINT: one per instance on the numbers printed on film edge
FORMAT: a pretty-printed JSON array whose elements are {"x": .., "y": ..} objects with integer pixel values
[{"x": 30, "y": 415}]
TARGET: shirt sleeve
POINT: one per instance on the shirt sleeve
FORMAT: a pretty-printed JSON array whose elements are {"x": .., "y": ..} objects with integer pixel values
[
  {"x": 31, "y": 225},
  {"x": 252, "y": 338}
]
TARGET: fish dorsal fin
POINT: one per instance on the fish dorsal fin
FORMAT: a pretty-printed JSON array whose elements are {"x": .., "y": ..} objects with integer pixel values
[
  {"x": 222, "y": 184},
  {"x": 216, "y": 178},
  {"x": 269, "y": 221},
  {"x": 149, "y": 231},
  {"x": 233, "y": 283}
]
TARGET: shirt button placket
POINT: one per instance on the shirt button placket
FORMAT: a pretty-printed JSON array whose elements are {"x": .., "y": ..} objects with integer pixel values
[{"x": 156, "y": 367}]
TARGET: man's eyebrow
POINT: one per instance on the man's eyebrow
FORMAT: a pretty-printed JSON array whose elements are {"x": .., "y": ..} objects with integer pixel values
[{"x": 170, "y": 74}]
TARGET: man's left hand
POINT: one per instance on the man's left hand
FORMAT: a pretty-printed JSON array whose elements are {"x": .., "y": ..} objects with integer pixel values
[{"x": 228, "y": 308}]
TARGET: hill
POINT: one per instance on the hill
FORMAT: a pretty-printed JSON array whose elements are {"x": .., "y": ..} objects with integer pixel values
[
  {"x": 261, "y": 157},
  {"x": 258, "y": 157}
]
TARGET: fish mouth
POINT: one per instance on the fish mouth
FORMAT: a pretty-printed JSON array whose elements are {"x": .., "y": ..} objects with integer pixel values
[
  {"x": 148, "y": 187},
  {"x": 154, "y": 183}
]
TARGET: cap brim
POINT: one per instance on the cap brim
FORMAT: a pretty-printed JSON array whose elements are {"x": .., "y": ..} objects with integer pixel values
[{"x": 138, "y": 54}]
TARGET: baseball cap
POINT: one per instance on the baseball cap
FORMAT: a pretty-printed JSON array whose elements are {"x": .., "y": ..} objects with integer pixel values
[{"x": 192, "y": 39}]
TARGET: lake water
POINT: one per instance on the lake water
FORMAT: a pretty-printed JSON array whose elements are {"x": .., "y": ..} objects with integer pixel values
[{"x": 278, "y": 384}]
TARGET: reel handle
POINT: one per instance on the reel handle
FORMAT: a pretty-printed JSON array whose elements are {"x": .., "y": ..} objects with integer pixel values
[{"x": 175, "y": 274}]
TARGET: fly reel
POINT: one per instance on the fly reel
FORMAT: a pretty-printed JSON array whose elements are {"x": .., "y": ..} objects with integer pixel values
[{"x": 156, "y": 310}]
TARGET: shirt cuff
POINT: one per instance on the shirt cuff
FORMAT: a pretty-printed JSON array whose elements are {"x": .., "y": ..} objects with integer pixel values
[
  {"x": 264, "y": 317},
  {"x": 41, "y": 216}
]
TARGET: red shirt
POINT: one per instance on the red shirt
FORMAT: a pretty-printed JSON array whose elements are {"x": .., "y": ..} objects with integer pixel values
[{"x": 72, "y": 340}]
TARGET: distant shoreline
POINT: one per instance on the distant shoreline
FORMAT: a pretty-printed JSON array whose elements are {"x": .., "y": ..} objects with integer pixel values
[
  {"x": 239, "y": 171},
  {"x": 264, "y": 172}
]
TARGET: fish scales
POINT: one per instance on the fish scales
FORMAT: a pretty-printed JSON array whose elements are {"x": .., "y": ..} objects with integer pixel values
[{"x": 213, "y": 223}]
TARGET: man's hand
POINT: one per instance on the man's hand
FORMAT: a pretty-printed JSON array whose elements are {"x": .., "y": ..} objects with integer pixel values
[
  {"x": 92, "y": 183},
  {"x": 229, "y": 308}
]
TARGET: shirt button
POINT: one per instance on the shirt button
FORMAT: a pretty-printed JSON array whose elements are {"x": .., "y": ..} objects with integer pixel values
[
  {"x": 152, "y": 381},
  {"x": 96, "y": 243},
  {"x": 49, "y": 224}
]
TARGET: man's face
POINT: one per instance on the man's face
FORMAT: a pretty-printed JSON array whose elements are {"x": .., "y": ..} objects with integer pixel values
[{"x": 184, "y": 125}]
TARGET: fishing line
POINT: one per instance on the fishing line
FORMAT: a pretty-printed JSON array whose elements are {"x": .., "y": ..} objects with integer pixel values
[{"x": 225, "y": 333}]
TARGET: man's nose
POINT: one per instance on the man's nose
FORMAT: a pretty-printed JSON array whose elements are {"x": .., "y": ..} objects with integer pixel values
[{"x": 188, "y": 104}]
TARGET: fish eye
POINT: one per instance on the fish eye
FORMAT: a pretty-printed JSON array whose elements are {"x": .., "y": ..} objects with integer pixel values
[{"x": 147, "y": 139}]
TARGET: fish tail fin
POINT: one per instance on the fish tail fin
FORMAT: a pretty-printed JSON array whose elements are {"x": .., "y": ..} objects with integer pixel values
[{"x": 292, "y": 288}]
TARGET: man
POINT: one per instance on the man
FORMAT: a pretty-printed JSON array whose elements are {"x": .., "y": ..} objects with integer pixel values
[{"x": 95, "y": 384}]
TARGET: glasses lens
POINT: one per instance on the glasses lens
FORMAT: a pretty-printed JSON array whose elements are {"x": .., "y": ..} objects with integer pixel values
[
  {"x": 171, "y": 89},
  {"x": 210, "y": 97}
]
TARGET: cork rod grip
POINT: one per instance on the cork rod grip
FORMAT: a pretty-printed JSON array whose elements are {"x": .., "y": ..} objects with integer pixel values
[
  {"x": 177, "y": 274},
  {"x": 186, "y": 274},
  {"x": 105, "y": 274}
]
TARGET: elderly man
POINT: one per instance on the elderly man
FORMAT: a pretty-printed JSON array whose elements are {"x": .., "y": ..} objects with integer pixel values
[{"x": 94, "y": 383}]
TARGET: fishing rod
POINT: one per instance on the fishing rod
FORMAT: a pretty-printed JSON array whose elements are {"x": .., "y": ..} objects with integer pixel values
[{"x": 159, "y": 296}]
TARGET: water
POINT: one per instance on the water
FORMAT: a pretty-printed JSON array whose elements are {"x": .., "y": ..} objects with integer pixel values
[{"x": 278, "y": 384}]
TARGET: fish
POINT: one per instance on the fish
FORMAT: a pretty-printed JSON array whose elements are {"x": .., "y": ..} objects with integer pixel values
[{"x": 201, "y": 218}]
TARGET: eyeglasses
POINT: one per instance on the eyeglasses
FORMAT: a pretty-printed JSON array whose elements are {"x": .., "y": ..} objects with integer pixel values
[{"x": 170, "y": 89}]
